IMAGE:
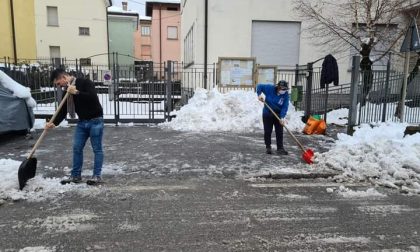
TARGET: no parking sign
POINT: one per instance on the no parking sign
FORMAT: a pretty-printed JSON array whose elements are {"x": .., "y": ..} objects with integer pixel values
[{"x": 107, "y": 77}]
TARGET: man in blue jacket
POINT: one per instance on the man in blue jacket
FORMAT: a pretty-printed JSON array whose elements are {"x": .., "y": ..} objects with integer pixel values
[{"x": 277, "y": 97}]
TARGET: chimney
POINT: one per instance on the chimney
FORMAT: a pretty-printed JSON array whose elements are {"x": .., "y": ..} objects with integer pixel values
[{"x": 124, "y": 5}]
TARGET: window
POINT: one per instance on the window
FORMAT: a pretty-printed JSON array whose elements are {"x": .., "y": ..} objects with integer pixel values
[
  {"x": 145, "y": 30},
  {"x": 172, "y": 32},
  {"x": 189, "y": 47},
  {"x": 172, "y": 9},
  {"x": 84, "y": 31},
  {"x": 52, "y": 16}
]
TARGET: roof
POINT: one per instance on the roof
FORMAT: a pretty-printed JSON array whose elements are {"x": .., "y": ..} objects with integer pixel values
[
  {"x": 145, "y": 18},
  {"x": 118, "y": 10},
  {"x": 149, "y": 4}
]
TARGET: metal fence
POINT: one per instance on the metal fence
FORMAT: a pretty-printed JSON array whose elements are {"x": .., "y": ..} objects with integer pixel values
[
  {"x": 148, "y": 92},
  {"x": 376, "y": 96}
]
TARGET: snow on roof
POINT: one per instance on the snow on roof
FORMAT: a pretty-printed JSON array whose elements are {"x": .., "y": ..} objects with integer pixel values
[
  {"x": 164, "y": 1},
  {"x": 120, "y": 10},
  {"x": 145, "y": 18}
]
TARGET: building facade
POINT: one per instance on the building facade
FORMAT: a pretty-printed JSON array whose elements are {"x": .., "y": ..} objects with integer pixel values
[
  {"x": 268, "y": 30},
  {"x": 122, "y": 24},
  {"x": 143, "y": 41},
  {"x": 165, "y": 30},
  {"x": 17, "y": 30},
  {"x": 72, "y": 29}
]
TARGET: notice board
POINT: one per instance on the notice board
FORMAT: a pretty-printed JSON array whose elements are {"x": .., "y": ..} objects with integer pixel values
[
  {"x": 267, "y": 74},
  {"x": 236, "y": 71}
]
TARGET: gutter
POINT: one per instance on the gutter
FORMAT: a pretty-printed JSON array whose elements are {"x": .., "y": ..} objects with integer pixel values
[{"x": 13, "y": 31}]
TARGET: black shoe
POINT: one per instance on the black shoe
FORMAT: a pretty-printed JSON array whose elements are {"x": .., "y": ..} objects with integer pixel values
[
  {"x": 269, "y": 151},
  {"x": 71, "y": 179},
  {"x": 282, "y": 152},
  {"x": 95, "y": 180}
]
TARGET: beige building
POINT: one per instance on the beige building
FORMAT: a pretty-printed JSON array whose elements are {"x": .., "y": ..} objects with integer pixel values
[{"x": 72, "y": 29}]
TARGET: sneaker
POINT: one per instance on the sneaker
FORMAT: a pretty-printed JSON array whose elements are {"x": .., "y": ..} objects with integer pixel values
[
  {"x": 282, "y": 152},
  {"x": 71, "y": 179},
  {"x": 268, "y": 151},
  {"x": 95, "y": 180}
]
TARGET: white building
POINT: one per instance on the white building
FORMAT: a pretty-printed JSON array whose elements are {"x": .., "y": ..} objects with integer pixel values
[
  {"x": 72, "y": 29},
  {"x": 268, "y": 30}
]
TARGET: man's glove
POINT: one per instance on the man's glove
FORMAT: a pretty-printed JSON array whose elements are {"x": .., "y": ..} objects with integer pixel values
[{"x": 72, "y": 90}]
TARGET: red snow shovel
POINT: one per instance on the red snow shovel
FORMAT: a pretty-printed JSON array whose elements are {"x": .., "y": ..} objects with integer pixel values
[
  {"x": 27, "y": 169},
  {"x": 308, "y": 154}
]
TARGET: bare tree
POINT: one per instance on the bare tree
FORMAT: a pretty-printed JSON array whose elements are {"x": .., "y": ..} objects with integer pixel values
[
  {"x": 358, "y": 24},
  {"x": 363, "y": 25}
]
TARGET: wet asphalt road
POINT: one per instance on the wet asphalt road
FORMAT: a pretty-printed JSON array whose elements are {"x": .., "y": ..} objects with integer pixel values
[{"x": 198, "y": 192}]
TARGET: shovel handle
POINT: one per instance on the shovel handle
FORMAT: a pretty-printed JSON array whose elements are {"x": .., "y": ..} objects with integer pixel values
[
  {"x": 38, "y": 142},
  {"x": 288, "y": 131}
]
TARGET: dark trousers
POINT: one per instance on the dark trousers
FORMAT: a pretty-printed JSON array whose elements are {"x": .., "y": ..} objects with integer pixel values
[{"x": 269, "y": 121}]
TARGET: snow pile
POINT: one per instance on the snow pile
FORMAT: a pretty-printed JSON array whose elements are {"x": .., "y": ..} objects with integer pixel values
[
  {"x": 380, "y": 154},
  {"x": 40, "y": 188},
  {"x": 17, "y": 89},
  {"x": 236, "y": 111},
  {"x": 348, "y": 193},
  {"x": 338, "y": 116}
]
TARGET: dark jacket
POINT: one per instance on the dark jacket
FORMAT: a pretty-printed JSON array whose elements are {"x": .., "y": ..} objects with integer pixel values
[
  {"x": 278, "y": 102},
  {"x": 329, "y": 72},
  {"x": 86, "y": 103}
]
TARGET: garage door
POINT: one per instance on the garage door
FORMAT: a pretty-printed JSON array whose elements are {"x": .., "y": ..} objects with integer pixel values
[{"x": 275, "y": 43}]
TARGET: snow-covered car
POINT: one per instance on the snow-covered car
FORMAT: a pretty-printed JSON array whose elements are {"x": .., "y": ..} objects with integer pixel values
[{"x": 16, "y": 106}]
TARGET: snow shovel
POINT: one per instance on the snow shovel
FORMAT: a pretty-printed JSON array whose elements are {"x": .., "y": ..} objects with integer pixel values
[
  {"x": 308, "y": 154},
  {"x": 27, "y": 169}
]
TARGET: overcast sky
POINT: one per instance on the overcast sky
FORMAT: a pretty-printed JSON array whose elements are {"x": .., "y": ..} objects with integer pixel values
[{"x": 134, "y": 5}]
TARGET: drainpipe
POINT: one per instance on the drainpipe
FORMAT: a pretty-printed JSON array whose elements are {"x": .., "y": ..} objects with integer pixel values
[
  {"x": 107, "y": 37},
  {"x": 13, "y": 31},
  {"x": 160, "y": 33},
  {"x": 206, "y": 7}
]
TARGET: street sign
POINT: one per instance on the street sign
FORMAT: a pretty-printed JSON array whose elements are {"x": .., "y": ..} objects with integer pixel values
[
  {"x": 412, "y": 39},
  {"x": 107, "y": 77}
]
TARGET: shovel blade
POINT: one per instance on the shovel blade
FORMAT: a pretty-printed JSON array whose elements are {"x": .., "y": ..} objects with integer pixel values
[
  {"x": 308, "y": 156},
  {"x": 26, "y": 171}
]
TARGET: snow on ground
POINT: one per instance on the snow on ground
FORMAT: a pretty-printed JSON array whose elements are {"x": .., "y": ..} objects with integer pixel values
[
  {"x": 235, "y": 111},
  {"x": 380, "y": 154},
  {"x": 40, "y": 188},
  {"x": 348, "y": 193},
  {"x": 339, "y": 116},
  {"x": 40, "y": 124},
  {"x": 38, "y": 249}
]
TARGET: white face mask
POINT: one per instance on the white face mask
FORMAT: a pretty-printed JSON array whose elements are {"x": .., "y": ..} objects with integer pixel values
[{"x": 282, "y": 91}]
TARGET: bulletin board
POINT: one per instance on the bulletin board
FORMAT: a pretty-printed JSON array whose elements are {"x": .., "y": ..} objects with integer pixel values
[
  {"x": 236, "y": 72},
  {"x": 267, "y": 74}
]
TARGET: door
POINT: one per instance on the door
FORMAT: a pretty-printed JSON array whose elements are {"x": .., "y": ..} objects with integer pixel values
[{"x": 276, "y": 43}]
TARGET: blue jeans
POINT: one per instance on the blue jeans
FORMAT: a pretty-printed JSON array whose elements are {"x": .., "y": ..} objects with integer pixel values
[{"x": 94, "y": 130}]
